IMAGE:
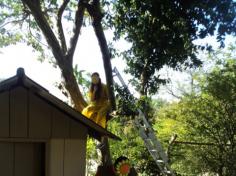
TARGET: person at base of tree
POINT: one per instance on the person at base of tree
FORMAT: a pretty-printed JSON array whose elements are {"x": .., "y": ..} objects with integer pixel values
[
  {"x": 123, "y": 167},
  {"x": 99, "y": 105}
]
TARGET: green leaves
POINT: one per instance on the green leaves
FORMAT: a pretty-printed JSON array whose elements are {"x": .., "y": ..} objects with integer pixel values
[
  {"x": 11, "y": 17},
  {"x": 83, "y": 79},
  {"x": 125, "y": 102},
  {"x": 207, "y": 118},
  {"x": 162, "y": 33}
]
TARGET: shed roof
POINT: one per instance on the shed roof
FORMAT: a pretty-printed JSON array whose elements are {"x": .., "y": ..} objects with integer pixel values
[{"x": 20, "y": 79}]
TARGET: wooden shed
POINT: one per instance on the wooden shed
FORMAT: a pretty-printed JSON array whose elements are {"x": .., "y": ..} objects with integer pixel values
[{"x": 39, "y": 134}]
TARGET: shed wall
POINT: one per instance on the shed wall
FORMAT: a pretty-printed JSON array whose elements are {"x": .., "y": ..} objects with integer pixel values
[
  {"x": 18, "y": 112},
  {"x": 4, "y": 114},
  {"x": 22, "y": 159},
  {"x": 67, "y": 157},
  {"x": 23, "y": 114},
  {"x": 26, "y": 119}
]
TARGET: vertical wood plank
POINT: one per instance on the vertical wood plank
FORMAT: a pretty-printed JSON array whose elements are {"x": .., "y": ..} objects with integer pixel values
[
  {"x": 4, "y": 114},
  {"x": 56, "y": 157},
  {"x": 6, "y": 159},
  {"x": 60, "y": 125},
  {"x": 18, "y": 112},
  {"x": 75, "y": 156},
  {"x": 24, "y": 162},
  {"x": 28, "y": 159},
  {"x": 78, "y": 130},
  {"x": 47, "y": 158},
  {"x": 39, "y": 118}
]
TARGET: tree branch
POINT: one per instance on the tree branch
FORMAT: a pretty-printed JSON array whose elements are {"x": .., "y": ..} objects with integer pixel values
[
  {"x": 64, "y": 64},
  {"x": 171, "y": 142},
  {"x": 59, "y": 25},
  {"x": 79, "y": 16},
  {"x": 171, "y": 92},
  {"x": 13, "y": 21},
  {"x": 198, "y": 143},
  {"x": 46, "y": 29},
  {"x": 94, "y": 11},
  {"x": 31, "y": 33}
]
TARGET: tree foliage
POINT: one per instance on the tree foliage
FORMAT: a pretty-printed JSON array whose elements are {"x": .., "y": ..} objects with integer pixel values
[
  {"x": 206, "y": 119},
  {"x": 132, "y": 146},
  {"x": 163, "y": 33}
]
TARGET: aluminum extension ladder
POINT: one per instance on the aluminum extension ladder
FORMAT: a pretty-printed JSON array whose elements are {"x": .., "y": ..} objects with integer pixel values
[{"x": 147, "y": 133}]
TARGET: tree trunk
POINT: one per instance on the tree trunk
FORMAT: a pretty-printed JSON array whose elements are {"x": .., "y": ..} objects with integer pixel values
[
  {"x": 95, "y": 12},
  {"x": 106, "y": 61},
  {"x": 72, "y": 87},
  {"x": 106, "y": 156},
  {"x": 63, "y": 58}
]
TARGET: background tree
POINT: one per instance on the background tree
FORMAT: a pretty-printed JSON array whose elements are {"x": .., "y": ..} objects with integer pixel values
[
  {"x": 163, "y": 33},
  {"x": 205, "y": 123}
]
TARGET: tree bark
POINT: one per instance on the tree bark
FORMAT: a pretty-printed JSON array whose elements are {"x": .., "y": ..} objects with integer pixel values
[
  {"x": 94, "y": 10},
  {"x": 106, "y": 155},
  {"x": 72, "y": 86},
  {"x": 64, "y": 60}
]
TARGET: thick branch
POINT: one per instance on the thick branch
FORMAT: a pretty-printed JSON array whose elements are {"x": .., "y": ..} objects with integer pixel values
[
  {"x": 46, "y": 29},
  {"x": 79, "y": 16},
  {"x": 143, "y": 80},
  {"x": 64, "y": 64},
  {"x": 95, "y": 12},
  {"x": 72, "y": 87},
  {"x": 59, "y": 25}
]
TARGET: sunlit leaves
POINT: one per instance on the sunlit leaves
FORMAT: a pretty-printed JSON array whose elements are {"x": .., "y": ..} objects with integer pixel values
[
  {"x": 207, "y": 118},
  {"x": 162, "y": 32}
]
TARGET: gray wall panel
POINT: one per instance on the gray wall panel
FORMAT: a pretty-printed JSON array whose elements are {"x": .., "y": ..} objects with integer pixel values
[
  {"x": 18, "y": 112},
  {"x": 39, "y": 118},
  {"x": 4, "y": 114}
]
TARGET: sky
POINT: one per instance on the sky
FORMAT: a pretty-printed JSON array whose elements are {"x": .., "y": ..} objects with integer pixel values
[{"x": 87, "y": 56}]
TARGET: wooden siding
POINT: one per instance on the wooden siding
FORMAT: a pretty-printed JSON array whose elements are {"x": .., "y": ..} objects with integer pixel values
[
  {"x": 60, "y": 125},
  {"x": 4, "y": 114},
  {"x": 75, "y": 157},
  {"x": 39, "y": 118},
  {"x": 23, "y": 114},
  {"x": 77, "y": 130},
  {"x": 21, "y": 159},
  {"x": 67, "y": 157},
  {"x": 18, "y": 112},
  {"x": 56, "y": 157},
  {"x": 6, "y": 159}
]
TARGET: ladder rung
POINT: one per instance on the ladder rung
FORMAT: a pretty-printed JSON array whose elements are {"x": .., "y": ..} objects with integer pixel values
[
  {"x": 160, "y": 161},
  {"x": 153, "y": 150}
]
